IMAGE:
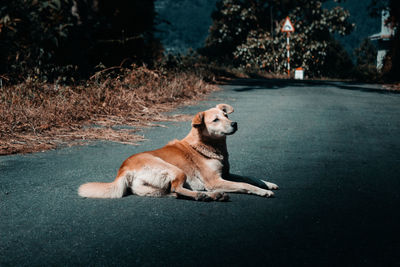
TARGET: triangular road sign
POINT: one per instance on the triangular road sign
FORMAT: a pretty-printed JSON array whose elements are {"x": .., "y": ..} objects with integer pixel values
[{"x": 287, "y": 26}]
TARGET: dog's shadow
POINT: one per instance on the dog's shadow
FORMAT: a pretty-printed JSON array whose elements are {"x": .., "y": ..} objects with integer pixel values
[{"x": 248, "y": 180}]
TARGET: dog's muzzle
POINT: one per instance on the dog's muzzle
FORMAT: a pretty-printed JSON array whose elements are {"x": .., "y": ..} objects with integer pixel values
[{"x": 234, "y": 127}]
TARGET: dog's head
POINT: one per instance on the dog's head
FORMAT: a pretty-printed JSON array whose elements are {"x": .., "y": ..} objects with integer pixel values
[{"x": 214, "y": 123}]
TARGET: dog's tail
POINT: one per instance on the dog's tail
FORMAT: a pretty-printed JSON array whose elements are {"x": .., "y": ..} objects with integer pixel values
[{"x": 115, "y": 189}]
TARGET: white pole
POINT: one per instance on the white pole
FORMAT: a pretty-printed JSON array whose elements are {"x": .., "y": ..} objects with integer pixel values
[{"x": 288, "y": 54}]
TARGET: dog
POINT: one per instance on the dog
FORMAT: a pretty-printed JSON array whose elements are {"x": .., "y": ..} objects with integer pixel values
[{"x": 192, "y": 168}]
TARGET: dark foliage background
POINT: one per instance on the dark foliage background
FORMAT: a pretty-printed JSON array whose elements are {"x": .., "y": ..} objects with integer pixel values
[
  {"x": 67, "y": 40},
  {"x": 250, "y": 31},
  {"x": 44, "y": 39}
]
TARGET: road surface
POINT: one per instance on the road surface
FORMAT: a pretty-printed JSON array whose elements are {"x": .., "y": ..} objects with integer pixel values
[{"x": 333, "y": 148}]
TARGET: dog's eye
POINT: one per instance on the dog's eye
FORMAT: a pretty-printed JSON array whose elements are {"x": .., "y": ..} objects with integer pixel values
[{"x": 215, "y": 120}]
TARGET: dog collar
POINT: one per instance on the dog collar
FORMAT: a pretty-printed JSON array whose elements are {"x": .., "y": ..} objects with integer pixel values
[{"x": 207, "y": 151}]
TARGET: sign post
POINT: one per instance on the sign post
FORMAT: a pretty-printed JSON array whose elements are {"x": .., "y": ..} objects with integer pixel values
[{"x": 288, "y": 28}]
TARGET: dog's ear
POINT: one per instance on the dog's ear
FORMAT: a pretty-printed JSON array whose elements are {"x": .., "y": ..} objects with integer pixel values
[
  {"x": 225, "y": 108},
  {"x": 198, "y": 119}
]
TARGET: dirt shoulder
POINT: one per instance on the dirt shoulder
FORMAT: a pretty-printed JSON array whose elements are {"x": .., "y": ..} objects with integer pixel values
[{"x": 392, "y": 87}]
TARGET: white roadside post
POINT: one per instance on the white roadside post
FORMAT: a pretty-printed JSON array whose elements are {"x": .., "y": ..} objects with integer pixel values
[
  {"x": 288, "y": 53},
  {"x": 288, "y": 28}
]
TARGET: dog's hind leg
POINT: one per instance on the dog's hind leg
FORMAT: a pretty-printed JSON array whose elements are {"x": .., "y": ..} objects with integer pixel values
[
  {"x": 142, "y": 189},
  {"x": 177, "y": 187}
]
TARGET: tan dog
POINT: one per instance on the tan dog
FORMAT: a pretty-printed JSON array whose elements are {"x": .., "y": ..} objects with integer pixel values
[{"x": 192, "y": 167}]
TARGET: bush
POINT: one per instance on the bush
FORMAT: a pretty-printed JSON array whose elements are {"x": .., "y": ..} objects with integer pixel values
[
  {"x": 31, "y": 32},
  {"x": 46, "y": 39},
  {"x": 365, "y": 69}
]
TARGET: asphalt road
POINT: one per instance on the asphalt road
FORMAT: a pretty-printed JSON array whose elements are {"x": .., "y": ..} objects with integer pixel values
[{"x": 333, "y": 148}]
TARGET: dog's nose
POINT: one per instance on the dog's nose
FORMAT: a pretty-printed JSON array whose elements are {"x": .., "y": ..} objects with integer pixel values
[{"x": 234, "y": 125}]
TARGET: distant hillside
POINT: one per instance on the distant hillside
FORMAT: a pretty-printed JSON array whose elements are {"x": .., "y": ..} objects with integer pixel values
[
  {"x": 189, "y": 22},
  {"x": 191, "y": 19}
]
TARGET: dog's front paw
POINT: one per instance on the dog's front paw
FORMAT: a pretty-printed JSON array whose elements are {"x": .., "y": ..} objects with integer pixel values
[
  {"x": 203, "y": 197},
  {"x": 270, "y": 186},
  {"x": 267, "y": 193},
  {"x": 219, "y": 196}
]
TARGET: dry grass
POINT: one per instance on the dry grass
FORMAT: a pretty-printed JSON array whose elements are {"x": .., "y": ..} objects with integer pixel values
[
  {"x": 37, "y": 116},
  {"x": 392, "y": 87}
]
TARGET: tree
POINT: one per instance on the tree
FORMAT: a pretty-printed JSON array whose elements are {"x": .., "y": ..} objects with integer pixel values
[
  {"x": 47, "y": 38},
  {"x": 366, "y": 53},
  {"x": 250, "y": 31},
  {"x": 232, "y": 22},
  {"x": 30, "y": 33},
  {"x": 365, "y": 69},
  {"x": 338, "y": 63}
]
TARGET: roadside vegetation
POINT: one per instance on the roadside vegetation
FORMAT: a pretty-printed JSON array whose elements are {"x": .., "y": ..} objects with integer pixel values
[
  {"x": 37, "y": 116},
  {"x": 248, "y": 34},
  {"x": 83, "y": 70},
  {"x": 79, "y": 70}
]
